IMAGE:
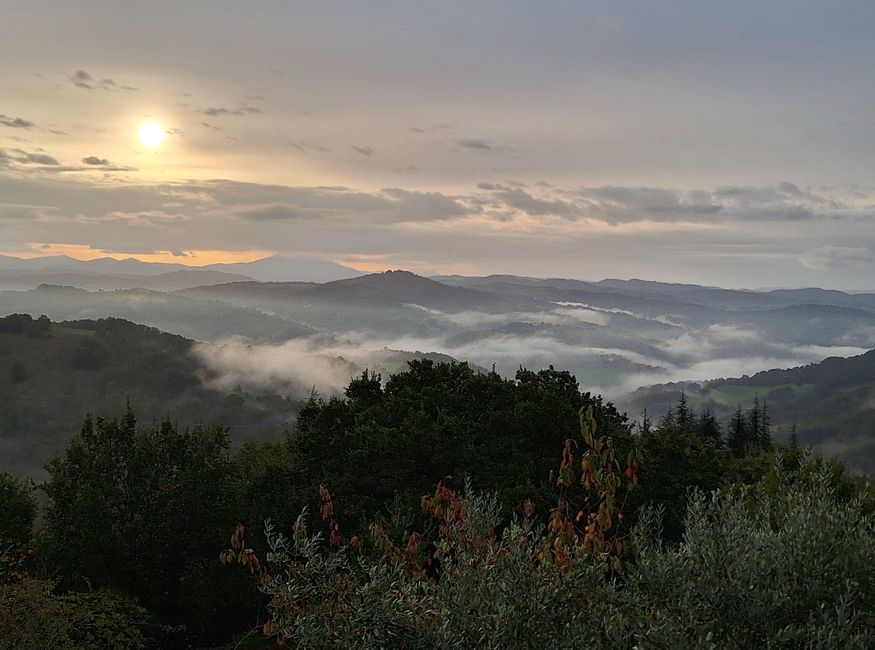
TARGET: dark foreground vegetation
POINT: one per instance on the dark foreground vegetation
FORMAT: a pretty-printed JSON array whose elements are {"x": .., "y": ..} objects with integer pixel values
[{"x": 444, "y": 508}]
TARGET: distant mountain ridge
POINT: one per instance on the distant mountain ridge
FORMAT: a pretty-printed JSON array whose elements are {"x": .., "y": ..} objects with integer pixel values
[
  {"x": 270, "y": 269},
  {"x": 27, "y": 279},
  {"x": 615, "y": 335}
]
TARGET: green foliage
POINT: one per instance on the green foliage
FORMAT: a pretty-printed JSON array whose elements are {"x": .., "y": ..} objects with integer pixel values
[
  {"x": 394, "y": 443},
  {"x": 32, "y": 617},
  {"x": 141, "y": 510},
  {"x": 758, "y": 567},
  {"x": 104, "y": 619},
  {"x": 687, "y": 452},
  {"x": 491, "y": 592},
  {"x": 24, "y": 324},
  {"x": 792, "y": 567},
  {"x": 17, "y": 511}
]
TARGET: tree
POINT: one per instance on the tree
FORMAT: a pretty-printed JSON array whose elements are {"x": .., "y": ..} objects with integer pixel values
[
  {"x": 684, "y": 417},
  {"x": 740, "y": 436},
  {"x": 141, "y": 510},
  {"x": 390, "y": 444},
  {"x": 708, "y": 428},
  {"x": 17, "y": 511}
]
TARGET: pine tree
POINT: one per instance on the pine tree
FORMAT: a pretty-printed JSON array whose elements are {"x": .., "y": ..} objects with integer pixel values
[
  {"x": 765, "y": 438},
  {"x": 684, "y": 416},
  {"x": 754, "y": 421},
  {"x": 739, "y": 433},
  {"x": 668, "y": 421},
  {"x": 646, "y": 425},
  {"x": 708, "y": 428}
]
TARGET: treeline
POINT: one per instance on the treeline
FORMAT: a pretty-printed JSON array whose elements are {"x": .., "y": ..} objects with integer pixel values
[{"x": 551, "y": 521}]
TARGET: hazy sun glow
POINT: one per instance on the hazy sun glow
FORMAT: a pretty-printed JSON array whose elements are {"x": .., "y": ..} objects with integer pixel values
[{"x": 151, "y": 134}]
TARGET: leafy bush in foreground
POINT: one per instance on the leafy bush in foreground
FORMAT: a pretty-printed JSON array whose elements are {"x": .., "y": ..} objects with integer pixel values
[
  {"x": 757, "y": 568},
  {"x": 32, "y": 617}
]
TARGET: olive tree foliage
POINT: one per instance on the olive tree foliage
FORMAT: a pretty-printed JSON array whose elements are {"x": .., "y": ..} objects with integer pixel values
[
  {"x": 489, "y": 593},
  {"x": 779, "y": 565}
]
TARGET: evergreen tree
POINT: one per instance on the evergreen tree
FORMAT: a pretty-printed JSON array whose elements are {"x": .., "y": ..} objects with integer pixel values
[
  {"x": 646, "y": 425},
  {"x": 754, "y": 421},
  {"x": 684, "y": 415},
  {"x": 738, "y": 439},
  {"x": 765, "y": 439},
  {"x": 668, "y": 421},
  {"x": 708, "y": 428}
]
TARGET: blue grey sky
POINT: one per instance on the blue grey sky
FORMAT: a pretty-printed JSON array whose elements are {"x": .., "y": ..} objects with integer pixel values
[{"x": 728, "y": 143}]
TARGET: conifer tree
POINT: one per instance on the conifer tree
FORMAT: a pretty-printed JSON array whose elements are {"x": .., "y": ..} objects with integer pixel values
[
  {"x": 668, "y": 421},
  {"x": 646, "y": 425},
  {"x": 739, "y": 433},
  {"x": 708, "y": 428},
  {"x": 684, "y": 415}
]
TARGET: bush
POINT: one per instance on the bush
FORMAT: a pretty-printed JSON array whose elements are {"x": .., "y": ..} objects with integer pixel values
[
  {"x": 17, "y": 511},
  {"x": 792, "y": 567},
  {"x": 758, "y": 567},
  {"x": 32, "y": 617},
  {"x": 103, "y": 619}
]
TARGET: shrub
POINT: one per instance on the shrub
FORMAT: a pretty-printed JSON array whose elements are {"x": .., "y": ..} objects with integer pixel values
[{"x": 792, "y": 567}]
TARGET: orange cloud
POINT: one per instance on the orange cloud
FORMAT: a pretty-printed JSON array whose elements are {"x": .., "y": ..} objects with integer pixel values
[{"x": 188, "y": 257}]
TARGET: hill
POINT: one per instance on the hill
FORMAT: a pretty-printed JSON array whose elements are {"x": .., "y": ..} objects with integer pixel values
[
  {"x": 52, "y": 374},
  {"x": 25, "y": 279},
  {"x": 831, "y": 404},
  {"x": 204, "y": 320}
]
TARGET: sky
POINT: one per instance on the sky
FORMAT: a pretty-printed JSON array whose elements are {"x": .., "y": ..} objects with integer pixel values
[{"x": 721, "y": 143}]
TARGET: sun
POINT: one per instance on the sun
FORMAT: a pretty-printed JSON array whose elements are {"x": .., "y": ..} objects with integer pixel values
[{"x": 151, "y": 134}]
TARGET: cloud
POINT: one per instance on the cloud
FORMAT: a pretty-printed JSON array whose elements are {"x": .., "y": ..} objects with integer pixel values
[
  {"x": 365, "y": 151},
  {"x": 480, "y": 144},
  {"x": 441, "y": 126},
  {"x": 306, "y": 147},
  {"x": 496, "y": 228},
  {"x": 824, "y": 258},
  {"x": 243, "y": 109},
  {"x": 524, "y": 202},
  {"x": 293, "y": 368},
  {"x": 339, "y": 204},
  {"x": 35, "y": 158},
  {"x": 94, "y": 160},
  {"x": 82, "y": 79},
  {"x": 16, "y": 122}
]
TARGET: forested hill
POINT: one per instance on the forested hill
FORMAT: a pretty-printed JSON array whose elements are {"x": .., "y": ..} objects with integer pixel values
[
  {"x": 831, "y": 404},
  {"x": 52, "y": 374}
]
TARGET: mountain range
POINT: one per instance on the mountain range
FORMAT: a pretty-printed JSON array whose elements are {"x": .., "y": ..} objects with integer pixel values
[
  {"x": 109, "y": 273},
  {"x": 616, "y": 336}
]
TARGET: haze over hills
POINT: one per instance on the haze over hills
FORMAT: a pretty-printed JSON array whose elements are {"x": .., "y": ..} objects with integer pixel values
[
  {"x": 616, "y": 335},
  {"x": 53, "y": 374}
]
